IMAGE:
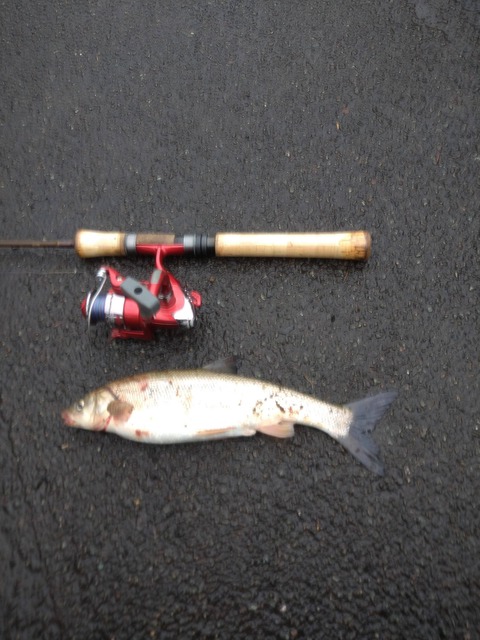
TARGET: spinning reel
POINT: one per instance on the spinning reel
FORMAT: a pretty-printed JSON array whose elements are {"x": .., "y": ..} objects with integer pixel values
[{"x": 137, "y": 309}]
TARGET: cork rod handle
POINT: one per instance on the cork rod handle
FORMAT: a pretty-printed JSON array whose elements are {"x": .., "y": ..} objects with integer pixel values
[
  {"x": 95, "y": 244},
  {"x": 345, "y": 245}
]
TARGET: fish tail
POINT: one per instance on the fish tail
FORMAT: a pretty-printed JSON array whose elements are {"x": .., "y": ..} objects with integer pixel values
[{"x": 366, "y": 413}]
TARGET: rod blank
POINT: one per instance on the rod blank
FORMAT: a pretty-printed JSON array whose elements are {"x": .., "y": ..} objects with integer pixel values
[{"x": 36, "y": 244}]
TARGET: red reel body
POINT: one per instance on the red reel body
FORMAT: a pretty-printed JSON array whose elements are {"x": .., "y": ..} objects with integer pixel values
[{"x": 137, "y": 309}]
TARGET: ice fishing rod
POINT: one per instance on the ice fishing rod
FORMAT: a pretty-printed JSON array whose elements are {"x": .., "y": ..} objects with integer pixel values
[{"x": 137, "y": 309}]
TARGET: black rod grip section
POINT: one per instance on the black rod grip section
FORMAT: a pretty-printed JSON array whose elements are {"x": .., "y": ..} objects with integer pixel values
[{"x": 198, "y": 245}]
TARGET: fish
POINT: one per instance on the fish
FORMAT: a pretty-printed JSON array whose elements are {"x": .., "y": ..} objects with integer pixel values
[{"x": 177, "y": 406}]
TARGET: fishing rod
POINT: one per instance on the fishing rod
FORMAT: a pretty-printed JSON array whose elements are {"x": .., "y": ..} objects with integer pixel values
[{"x": 137, "y": 309}]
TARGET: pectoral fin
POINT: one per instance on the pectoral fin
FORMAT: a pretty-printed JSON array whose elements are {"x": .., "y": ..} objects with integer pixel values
[
  {"x": 119, "y": 410},
  {"x": 282, "y": 429}
]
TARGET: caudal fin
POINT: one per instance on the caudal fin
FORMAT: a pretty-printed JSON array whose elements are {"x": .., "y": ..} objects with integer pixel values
[{"x": 366, "y": 413}]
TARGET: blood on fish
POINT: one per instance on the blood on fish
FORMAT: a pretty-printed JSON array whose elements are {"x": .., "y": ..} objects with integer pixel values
[
  {"x": 144, "y": 385},
  {"x": 141, "y": 434},
  {"x": 102, "y": 425},
  {"x": 280, "y": 407},
  {"x": 258, "y": 406}
]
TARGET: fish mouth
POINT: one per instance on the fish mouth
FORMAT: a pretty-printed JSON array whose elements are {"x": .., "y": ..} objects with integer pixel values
[{"x": 67, "y": 419}]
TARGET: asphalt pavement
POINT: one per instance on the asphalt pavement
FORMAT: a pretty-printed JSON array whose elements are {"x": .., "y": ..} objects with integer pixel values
[{"x": 244, "y": 116}]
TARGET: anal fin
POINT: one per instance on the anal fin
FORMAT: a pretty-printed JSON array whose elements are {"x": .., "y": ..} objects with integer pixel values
[{"x": 282, "y": 429}]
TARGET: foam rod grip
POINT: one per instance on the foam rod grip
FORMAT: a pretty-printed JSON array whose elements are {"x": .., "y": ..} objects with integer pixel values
[{"x": 344, "y": 245}]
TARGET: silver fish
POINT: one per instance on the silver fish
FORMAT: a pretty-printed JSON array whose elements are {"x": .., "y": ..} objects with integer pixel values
[{"x": 186, "y": 406}]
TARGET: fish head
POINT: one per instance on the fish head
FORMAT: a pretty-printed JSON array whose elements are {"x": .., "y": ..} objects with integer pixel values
[{"x": 88, "y": 413}]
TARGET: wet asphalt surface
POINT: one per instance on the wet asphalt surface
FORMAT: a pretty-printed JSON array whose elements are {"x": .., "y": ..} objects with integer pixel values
[{"x": 229, "y": 116}]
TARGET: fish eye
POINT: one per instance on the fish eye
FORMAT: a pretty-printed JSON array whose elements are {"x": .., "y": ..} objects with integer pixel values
[{"x": 79, "y": 406}]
